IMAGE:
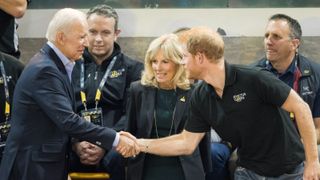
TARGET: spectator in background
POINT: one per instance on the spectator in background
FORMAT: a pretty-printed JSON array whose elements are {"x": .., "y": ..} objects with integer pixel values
[
  {"x": 10, "y": 69},
  {"x": 100, "y": 82},
  {"x": 9, "y": 11},
  {"x": 281, "y": 40},
  {"x": 43, "y": 118}
]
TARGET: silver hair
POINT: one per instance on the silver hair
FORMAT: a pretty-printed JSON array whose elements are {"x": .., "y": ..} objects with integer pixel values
[{"x": 62, "y": 20}]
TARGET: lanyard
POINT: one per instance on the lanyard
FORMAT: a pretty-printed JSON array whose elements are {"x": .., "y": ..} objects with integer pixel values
[
  {"x": 6, "y": 90},
  {"x": 296, "y": 76},
  {"x": 102, "y": 82}
]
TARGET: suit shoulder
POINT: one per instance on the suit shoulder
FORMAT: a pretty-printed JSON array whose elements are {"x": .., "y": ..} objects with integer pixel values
[
  {"x": 41, "y": 64},
  {"x": 136, "y": 86}
]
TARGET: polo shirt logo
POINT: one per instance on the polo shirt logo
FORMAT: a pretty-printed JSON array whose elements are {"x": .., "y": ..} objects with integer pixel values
[
  {"x": 239, "y": 97},
  {"x": 305, "y": 88},
  {"x": 116, "y": 73},
  {"x": 306, "y": 91}
]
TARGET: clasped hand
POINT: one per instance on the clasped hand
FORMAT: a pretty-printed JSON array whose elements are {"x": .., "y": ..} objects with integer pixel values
[{"x": 88, "y": 153}]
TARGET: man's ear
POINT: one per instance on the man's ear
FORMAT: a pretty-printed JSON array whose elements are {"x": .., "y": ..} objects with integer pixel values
[
  {"x": 117, "y": 32},
  {"x": 60, "y": 38},
  {"x": 295, "y": 43},
  {"x": 199, "y": 57}
]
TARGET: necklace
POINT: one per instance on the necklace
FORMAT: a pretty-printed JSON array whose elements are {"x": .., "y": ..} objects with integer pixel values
[{"x": 155, "y": 122}]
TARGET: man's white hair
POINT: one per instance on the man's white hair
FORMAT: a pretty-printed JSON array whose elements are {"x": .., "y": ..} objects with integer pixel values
[{"x": 62, "y": 20}]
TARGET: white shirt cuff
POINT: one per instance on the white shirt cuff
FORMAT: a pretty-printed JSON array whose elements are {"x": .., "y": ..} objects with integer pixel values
[{"x": 116, "y": 140}]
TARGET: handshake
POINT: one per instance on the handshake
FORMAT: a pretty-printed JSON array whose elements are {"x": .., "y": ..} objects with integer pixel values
[{"x": 128, "y": 145}]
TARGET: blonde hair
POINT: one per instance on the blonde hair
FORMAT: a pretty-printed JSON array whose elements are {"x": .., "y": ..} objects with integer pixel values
[
  {"x": 62, "y": 21},
  {"x": 170, "y": 47},
  {"x": 206, "y": 41}
]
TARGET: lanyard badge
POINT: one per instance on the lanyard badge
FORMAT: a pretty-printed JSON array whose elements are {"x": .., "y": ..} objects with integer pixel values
[
  {"x": 4, "y": 131},
  {"x": 5, "y": 126},
  {"x": 93, "y": 115}
]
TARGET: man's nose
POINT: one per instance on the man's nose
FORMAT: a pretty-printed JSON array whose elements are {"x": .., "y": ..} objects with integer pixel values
[
  {"x": 98, "y": 37},
  {"x": 268, "y": 40}
]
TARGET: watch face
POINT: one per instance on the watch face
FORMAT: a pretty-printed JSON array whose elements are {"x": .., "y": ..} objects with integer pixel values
[{"x": 93, "y": 115}]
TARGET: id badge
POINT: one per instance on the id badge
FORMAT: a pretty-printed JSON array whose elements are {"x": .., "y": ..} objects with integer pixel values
[
  {"x": 4, "y": 131},
  {"x": 93, "y": 115}
]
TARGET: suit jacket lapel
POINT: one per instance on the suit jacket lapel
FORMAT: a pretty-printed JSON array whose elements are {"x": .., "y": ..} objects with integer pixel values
[
  {"x": 149, "y": 98},
  {"x": 53, "y": 56}
]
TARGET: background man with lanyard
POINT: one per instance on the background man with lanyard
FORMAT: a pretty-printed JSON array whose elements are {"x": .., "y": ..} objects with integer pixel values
[
  {"x": 10, "y": 69},
  {"x": 101, "y": 81}
]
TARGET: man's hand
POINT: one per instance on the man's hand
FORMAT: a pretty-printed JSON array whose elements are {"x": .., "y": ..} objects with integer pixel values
[
  {"x": 312, "y": 171},
  {"x": 127, "y": 146},
  {"x": 88, "y": 153}
]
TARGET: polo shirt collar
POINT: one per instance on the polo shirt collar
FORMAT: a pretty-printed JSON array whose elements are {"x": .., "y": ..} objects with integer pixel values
[
  {"x": 230, "y": 78},
  {"x": 230, "y": 74},
  {"x": 290, "y": 69}
]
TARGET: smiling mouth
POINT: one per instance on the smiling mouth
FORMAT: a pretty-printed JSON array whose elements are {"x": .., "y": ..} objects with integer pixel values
[
  {"x": 270, "y": 51},
  {"x": 160, "y": 75}
]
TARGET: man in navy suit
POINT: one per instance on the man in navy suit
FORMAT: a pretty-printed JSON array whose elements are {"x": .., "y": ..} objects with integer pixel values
[{"x": 43, "y": 118}]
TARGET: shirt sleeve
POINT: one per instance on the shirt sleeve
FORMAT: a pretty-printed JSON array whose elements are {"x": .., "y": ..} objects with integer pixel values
[
  {"x": 271, "y": 89},
  {"x": 116, "y": 140},
  {"x": 196, "y": 117}
]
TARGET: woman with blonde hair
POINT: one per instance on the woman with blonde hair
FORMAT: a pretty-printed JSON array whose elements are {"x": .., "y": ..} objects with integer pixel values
[{"x": 158, "y": 107}]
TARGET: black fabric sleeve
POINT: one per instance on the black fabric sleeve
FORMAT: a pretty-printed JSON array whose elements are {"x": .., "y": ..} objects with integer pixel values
[
  {"x": 196, "y": 117},
  {"x": 271, "y": 89}
]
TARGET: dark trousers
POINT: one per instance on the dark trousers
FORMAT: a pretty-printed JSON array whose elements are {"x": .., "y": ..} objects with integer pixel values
[{"x": 220, "y": 154}]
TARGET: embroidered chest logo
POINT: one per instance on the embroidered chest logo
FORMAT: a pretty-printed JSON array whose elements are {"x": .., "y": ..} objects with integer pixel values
[
  {"x": 239, "y": 97},
  {"x": 116, "y": 73},
  {"x": 306, "y": 91},
  {"x": 306, "y": 88}
]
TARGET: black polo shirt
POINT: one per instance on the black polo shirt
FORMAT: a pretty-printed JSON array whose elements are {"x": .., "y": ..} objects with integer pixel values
[{"x": 249, "y": 116}]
